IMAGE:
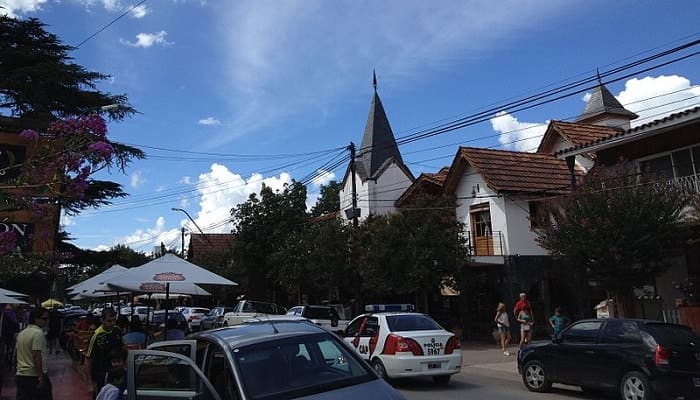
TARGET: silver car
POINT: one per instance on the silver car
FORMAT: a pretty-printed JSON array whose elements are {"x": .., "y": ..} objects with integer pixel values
[{"x": 259, "y": 360}]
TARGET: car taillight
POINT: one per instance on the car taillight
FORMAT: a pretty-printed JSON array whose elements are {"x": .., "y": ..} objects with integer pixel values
[
  {"x": 662, "y": 356},
  {"x": 452, "y": 345},
  {"x": 397, "y": 344}
]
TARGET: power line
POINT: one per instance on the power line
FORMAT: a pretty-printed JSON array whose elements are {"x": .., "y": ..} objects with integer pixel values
[{"x": 110, "y": 23}]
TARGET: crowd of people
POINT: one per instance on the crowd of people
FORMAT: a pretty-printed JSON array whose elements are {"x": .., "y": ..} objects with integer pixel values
[
  {"x": 523, "y": 315},
  {"x": 28, "y": 340}
]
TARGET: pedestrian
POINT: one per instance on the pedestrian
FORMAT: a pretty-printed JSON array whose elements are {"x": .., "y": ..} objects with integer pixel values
[
  {"x": 526, "y": 322},
  {"x": 503, "y": 325},
  {"x": 522, "y": 303},
  {"x": 173, "y": 331},
  {"x": 136, "y": 338},
  {"x": 55, "y": 328},
  {"x": 117, "y": 359},
  {"x": 115, "y": 380},
  {"x": 32, "y": 370},
  {"x": 10, "y": 328},
  {"x": 106, "y": 338},
  {"x": 558, "y": 321}
]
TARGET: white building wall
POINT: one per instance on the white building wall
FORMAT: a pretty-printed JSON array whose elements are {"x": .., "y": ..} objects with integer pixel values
[
  {"x": 521, "y": 238},
  {"x": 375, "y": 197}
]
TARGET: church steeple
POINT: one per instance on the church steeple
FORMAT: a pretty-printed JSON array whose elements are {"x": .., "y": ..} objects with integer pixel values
[
  {"x": 378, "y": 142},
  {"x": 604, "y": 109}
]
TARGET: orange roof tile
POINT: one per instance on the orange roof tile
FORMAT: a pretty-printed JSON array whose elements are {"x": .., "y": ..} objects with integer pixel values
[
  {"x": 218, "y": 243},
  {"x": 512, "y": 171},
  {"x": 419, "y": 185}
]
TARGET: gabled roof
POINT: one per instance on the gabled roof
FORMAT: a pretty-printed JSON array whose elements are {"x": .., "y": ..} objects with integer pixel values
[
  {"x": 378, "y": 143},
  {"x": 656, "y": 126},
  {"x": 426, "y": 182},
  {"x": 512, "y": 171},
  {"x": 575, "y": 132},
  {"x": 211, "y": 243},
  {"x": 603, "y": 102}
]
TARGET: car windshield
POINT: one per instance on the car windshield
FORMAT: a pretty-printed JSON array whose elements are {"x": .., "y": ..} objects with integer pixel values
[
  {"x": 673, "y": 335},
  {"x": 263, "y": 308},
  {"x": 298, "y": 366},
  {"x": 413, "y": 322},
  {"x": 159, "y": 317}
]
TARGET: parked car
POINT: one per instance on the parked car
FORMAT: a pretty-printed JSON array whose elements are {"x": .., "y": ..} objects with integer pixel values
[
  {"x": 215, "y": 318},
  {"x": 637, "y": 358},
  {"x": 401, "y": 344},
  {"x": 194, "y": 316},
  {"x": 247, "y": 309},
  {"x": 157, "y": 320},
  {"x": 325, "y": 316},
  {"x": 261, "y": 360}
]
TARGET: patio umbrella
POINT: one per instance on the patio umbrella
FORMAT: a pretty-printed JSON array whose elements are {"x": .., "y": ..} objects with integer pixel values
[
  {"x": 90, "y": 284},
  {"x": 11, "y": 293},
  {"x": 166, "y": 274},
  {"x": 50, "y": 303}
]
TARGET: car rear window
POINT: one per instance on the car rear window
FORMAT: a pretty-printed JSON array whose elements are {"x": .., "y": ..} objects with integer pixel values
[
  {"x": 673, "y": 335},
  {"x": 299, "y": 366},
  {"x": 417, "y": 322}
]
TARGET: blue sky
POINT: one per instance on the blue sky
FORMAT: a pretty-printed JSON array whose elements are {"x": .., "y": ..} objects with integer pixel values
[{"x": 243, "y": 78}]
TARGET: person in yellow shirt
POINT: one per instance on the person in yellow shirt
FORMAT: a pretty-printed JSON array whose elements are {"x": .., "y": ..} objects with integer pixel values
[{"x": 32, "y": 378}]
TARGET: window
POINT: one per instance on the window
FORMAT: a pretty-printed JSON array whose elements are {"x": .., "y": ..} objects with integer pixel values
[
  {"x": 538, "y": 217},
  {"x": 657, "y": 168},
  {"x": 219, "y": 373},
  {"x": 621, "y": 332},
  {"x": 402, "y": 323},
  {"x": 354, "y": 327},
  {"x": 584, "y": 332},
  {"x": 371, "y": 327}
]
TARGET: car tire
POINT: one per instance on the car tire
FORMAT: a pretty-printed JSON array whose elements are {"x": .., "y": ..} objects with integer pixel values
[
  {"x": 379, "y": 369},
  {"x": 635, "y": 386},
  {"x": 225, "y": 323},
  {"x": 442, "y": 380},
  {"x": 535, "y": 377}
]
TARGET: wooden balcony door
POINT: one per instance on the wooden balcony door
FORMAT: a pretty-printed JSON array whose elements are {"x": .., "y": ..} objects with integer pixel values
[{"x": 482, "y": 235}]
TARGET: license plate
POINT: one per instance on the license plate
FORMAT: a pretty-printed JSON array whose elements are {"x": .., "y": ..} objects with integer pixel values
[
  {"x": 433, "y": 365},
  {"x": 696, "y": 382}
]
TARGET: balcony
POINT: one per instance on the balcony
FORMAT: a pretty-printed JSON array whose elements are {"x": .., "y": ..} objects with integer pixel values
[{"x": 486, "y": 248}]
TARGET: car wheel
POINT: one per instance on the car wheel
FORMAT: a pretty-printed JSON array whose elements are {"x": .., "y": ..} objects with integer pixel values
[
  {"x": 441, "y": 379},
  {"x": 635, "y": 386},
  {"x": 535, "y": 377},
  {"x": 379, "y": 368},
  {"x": 225, "y": 323}
]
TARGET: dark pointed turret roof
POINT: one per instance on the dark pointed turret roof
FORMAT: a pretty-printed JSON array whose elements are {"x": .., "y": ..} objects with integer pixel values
[
  {"x": 603, "y": 102},
  {"x": 378, "y": 143}
]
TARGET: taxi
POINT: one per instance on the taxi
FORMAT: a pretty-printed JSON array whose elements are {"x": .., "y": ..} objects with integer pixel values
[{"x": 399, "y": 343}]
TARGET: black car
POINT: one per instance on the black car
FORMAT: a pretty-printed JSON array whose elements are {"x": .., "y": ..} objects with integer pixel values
[
  {"x": 215, "y": 317},
  {"x": 157, "y": 320},
  {"x": 640, "y": 359}
]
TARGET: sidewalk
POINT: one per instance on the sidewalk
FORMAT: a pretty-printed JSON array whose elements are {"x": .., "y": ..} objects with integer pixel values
[
  {"x": 489, "y": 356},
  {"x": 66, "y": 380}
]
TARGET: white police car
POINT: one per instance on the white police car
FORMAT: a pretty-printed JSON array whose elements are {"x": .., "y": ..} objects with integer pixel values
[{"x": 400, "y": 343}]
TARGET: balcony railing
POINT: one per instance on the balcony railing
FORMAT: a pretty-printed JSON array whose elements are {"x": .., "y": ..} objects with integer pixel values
[{"x": 490, "y": 244}]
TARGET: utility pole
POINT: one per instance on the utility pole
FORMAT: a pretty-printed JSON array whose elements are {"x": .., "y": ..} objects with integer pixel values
[
  {"x": 182, "y": 252},
  {"x": 354, "y": 186}
]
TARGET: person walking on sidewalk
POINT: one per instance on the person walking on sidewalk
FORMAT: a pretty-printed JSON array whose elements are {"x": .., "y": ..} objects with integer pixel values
[
  {"x": 106, "y": 338},
  {"x": 525, "y": 319},
  {"x": 32, "y": 377},
  {"x": 558, "y": 321},
  {"x": 503, "y": 325}
]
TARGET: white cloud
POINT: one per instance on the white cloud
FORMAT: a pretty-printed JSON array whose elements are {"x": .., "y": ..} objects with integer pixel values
[
  {"x": 186, "y": 180},
  {"x": 146, "y": 40},
  {"x": 137, "y": 179},
  {"x": 101, "y": 247},
  {"x": 66, "y": 220},
  {"x": 140, "y": 11},
  {"x": 586, "y": 97},
  {"x": 516, "y": 135},
  {"x": 655, "y": 97},
  {"x": 209, "y": 121},
  {"x": 14, "y": 7},
  {"x": 151, "y": 236}
]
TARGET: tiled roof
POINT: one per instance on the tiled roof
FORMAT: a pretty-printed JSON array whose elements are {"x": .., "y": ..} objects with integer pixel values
[
  {"x": 521, "y": 172},
  {"x": 324, "y": 217},
  {"x": 217, "y": 243},
  {"x": 636, "y": 129},
  {"x": 579, "y": 133},
  {"x": 603, "y": 102},
  {"x": 437, "y": 179}
]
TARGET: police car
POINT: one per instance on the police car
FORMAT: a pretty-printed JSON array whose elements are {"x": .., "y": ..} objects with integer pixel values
[{"x": 399, "y": 343}]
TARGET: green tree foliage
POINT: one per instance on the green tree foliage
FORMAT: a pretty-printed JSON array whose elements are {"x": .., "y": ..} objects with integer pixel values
[
  {"x": 413, "y": 251},
  {"x": 314, "y": 262},
  {"x": 617, "y": 227},
  {"x": 263, "y": 223},
  {"x": 38, "y": 79},
  {"x": 328, "y": 201}
]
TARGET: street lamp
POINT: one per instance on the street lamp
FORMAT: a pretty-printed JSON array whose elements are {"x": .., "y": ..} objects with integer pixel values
[{"x": 195, "y": 224}]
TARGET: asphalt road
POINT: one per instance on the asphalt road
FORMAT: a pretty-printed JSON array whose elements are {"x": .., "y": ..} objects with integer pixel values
[{"x": 489, "y": 382}]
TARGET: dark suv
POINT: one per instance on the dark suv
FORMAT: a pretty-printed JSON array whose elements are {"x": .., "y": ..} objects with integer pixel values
[{"x": 638, "y": 358}]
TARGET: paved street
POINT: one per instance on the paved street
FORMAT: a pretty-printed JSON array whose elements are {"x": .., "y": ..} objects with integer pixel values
[{"x": 486, "y": 374}]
